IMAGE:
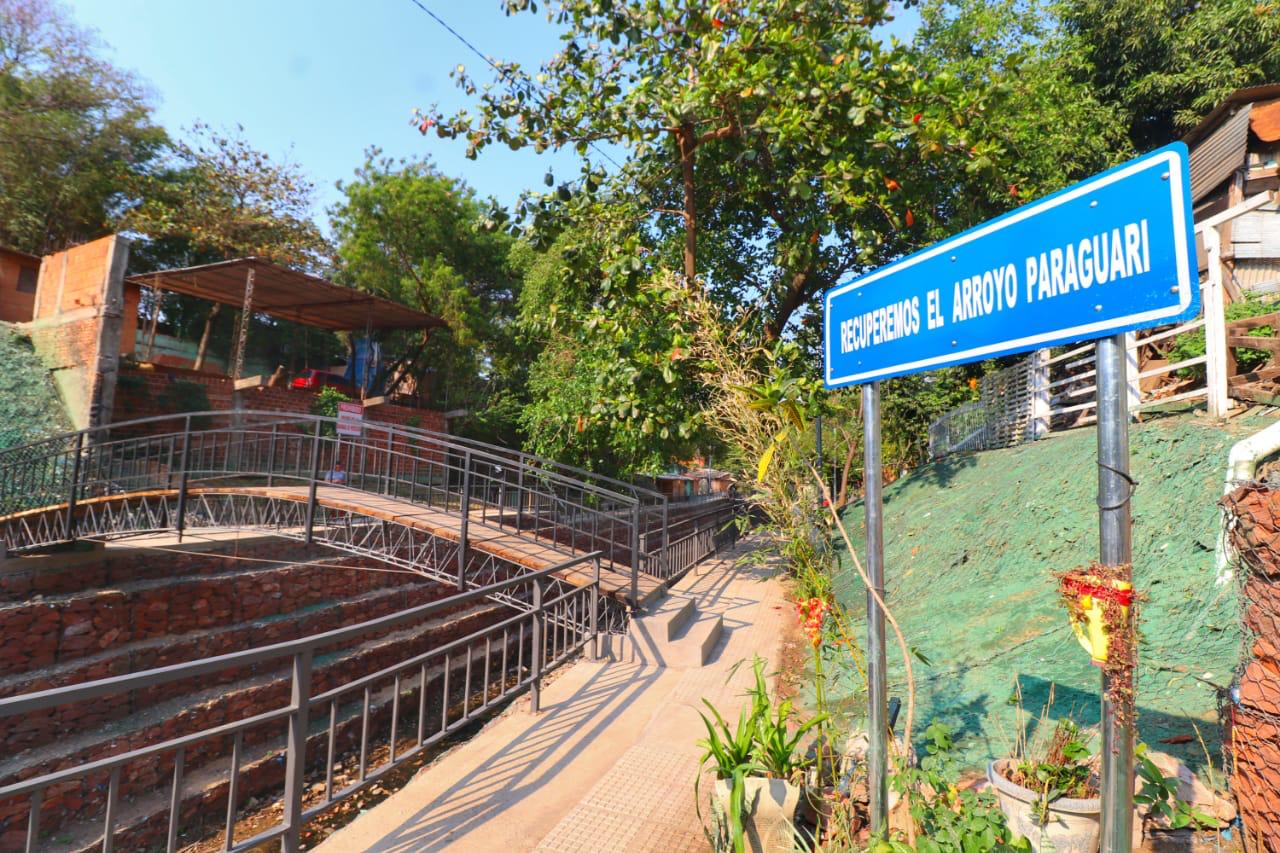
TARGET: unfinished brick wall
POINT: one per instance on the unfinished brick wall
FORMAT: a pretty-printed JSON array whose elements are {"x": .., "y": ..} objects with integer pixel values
[
  {"x": 136, "y": 610},
  {"x": 77, "y": 324},
  {"x": 141, "y": 395},
  {"x": 65, "y": 628},
  {"x": 86, "y": 796}
]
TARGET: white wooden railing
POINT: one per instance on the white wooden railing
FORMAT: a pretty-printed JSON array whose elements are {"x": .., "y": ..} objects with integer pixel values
[{"x": 1062, "y": 389}]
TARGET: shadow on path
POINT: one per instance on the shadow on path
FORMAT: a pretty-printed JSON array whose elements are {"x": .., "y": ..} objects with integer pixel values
[{"x": 519, "y": 768}]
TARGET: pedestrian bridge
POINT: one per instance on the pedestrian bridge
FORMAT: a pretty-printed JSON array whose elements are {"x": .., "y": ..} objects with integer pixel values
[
  {"x": 571, "y": 555},
  {"x": 451, "y": 509}
]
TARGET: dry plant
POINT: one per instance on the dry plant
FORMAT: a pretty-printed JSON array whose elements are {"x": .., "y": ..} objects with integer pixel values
[
  {"x": 903, "y": 648},
  {"x": 752, "y": 407}
]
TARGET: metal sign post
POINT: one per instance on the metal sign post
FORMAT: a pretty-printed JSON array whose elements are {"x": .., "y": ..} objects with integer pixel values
[
  {"x": 877, "y": 712},
  {"x": 1106, "y": 256},
  {"x": 1115, "y": 548}
]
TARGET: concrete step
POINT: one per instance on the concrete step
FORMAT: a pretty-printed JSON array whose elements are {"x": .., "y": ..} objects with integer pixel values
[
  {"x": 674, "y": 634},
  {"x": 694, "y": 648},
  {"x": 671, "y": 617}
]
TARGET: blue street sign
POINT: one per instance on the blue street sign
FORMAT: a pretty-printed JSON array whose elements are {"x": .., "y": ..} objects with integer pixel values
[{"x": 1110, "y": 254}]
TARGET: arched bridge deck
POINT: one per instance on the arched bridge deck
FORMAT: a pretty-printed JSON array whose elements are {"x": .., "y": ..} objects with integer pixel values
[
  {"x": 451, "y": 509},
  {"x": 391, "y": 529}
]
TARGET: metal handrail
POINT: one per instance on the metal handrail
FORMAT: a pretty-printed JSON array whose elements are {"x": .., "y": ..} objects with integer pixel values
[
  {"x": 479, "y": 449},
  {"x": 534, "y": 461},
  {"x": 99, "y": 460},
  {"x": 575, "y": 611}
]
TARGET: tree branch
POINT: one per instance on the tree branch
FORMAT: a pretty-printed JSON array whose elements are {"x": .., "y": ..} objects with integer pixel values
[{"x": 798, "y": 290}]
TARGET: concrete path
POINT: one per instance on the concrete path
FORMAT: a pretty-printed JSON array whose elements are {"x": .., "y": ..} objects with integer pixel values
[{"x": 609, "y": 764}]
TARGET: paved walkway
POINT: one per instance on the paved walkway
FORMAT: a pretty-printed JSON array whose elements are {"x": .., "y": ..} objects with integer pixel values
[{"x": 610, "y": 763}]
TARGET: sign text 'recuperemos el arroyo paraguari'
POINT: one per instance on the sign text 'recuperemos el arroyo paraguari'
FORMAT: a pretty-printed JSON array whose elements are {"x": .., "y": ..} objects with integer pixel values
[{"x": 1111, "y": 254}]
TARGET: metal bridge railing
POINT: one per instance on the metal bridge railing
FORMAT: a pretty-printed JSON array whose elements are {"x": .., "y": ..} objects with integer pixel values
[
  {"x": 692, "y": 538},
  {"x": 432, "y": 694},
  {"x": 477, "y": 483}
]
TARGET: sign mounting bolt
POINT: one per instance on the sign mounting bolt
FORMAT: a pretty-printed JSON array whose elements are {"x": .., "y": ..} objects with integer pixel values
[
  {"x": 953, "y": 343},
  {"x": 1165, "y": 176},
  {"x": 1097, "y": 308},
  {"x": 1093, "y": 203}
]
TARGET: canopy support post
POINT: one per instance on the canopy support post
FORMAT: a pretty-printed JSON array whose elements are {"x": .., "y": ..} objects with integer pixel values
[{"x": 246, "y": 316}]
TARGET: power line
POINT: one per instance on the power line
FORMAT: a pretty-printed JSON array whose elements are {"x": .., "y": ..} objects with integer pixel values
[
  {"x": 459, "y": 36},
  {"x": 503, "y": 72}
]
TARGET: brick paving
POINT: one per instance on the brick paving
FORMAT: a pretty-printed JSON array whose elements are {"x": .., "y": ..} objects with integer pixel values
[{"x": 610, "y": 763}]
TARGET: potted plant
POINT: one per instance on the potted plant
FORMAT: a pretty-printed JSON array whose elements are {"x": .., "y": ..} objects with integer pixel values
[
  {"x": 759, "y": 768},
  {"x": 1050, "y": 792}
]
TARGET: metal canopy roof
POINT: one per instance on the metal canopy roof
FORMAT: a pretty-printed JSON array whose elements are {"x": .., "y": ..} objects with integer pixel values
[{"x": 289, "y": 295}]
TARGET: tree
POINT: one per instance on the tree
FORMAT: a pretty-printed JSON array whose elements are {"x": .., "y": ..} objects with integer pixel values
[
  {"x": 1167, "y": 63},
  {"x": 615, "y": 389},
  {"x": 1149, "y": 71},
  {"x": 220, "y": 198},
  {"x": 1054, "y": 127},
  {"x": 406, "y": 232},
  {"x": 223, "y": 197},
  {"x": 73, "y": 129},
  {"x": 773, "y": 146}
]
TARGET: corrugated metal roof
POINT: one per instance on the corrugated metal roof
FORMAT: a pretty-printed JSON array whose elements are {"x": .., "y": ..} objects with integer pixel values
[
  {"x": 289, "y": 295},
  {"x": 22, "y": 256},
  {"x": 1219, "y": 154},
  {"x": 1247, "y": 95}
]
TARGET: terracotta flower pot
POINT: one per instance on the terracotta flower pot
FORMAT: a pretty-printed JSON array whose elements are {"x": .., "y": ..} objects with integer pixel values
[
  {"x": 1073, "y": 826},
  {"x": 768, "y": 812}
]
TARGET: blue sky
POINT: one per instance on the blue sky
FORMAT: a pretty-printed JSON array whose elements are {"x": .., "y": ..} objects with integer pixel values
[{"x": 319, "y": 81}]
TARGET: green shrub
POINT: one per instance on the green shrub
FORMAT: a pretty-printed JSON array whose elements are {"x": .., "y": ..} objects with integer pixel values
[
  {"x": 950, "y": 821},
  {"x": 325, "y": 405},
  {"x": 30, "y": 408},
  {"x": 1191, "y": 344},
  {"x": 765, "y": 743}
]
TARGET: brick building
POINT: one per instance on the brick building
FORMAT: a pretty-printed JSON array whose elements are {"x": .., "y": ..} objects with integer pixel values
[{"x": 82, "y": 315}]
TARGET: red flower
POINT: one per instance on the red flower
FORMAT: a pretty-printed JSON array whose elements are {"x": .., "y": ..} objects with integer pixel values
[
  {"x": 911, "y": 218},
  {"x": 916, "y": 118},
  {"x": 717, "y": 23},
  {"x": 813, "y": 613}
]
